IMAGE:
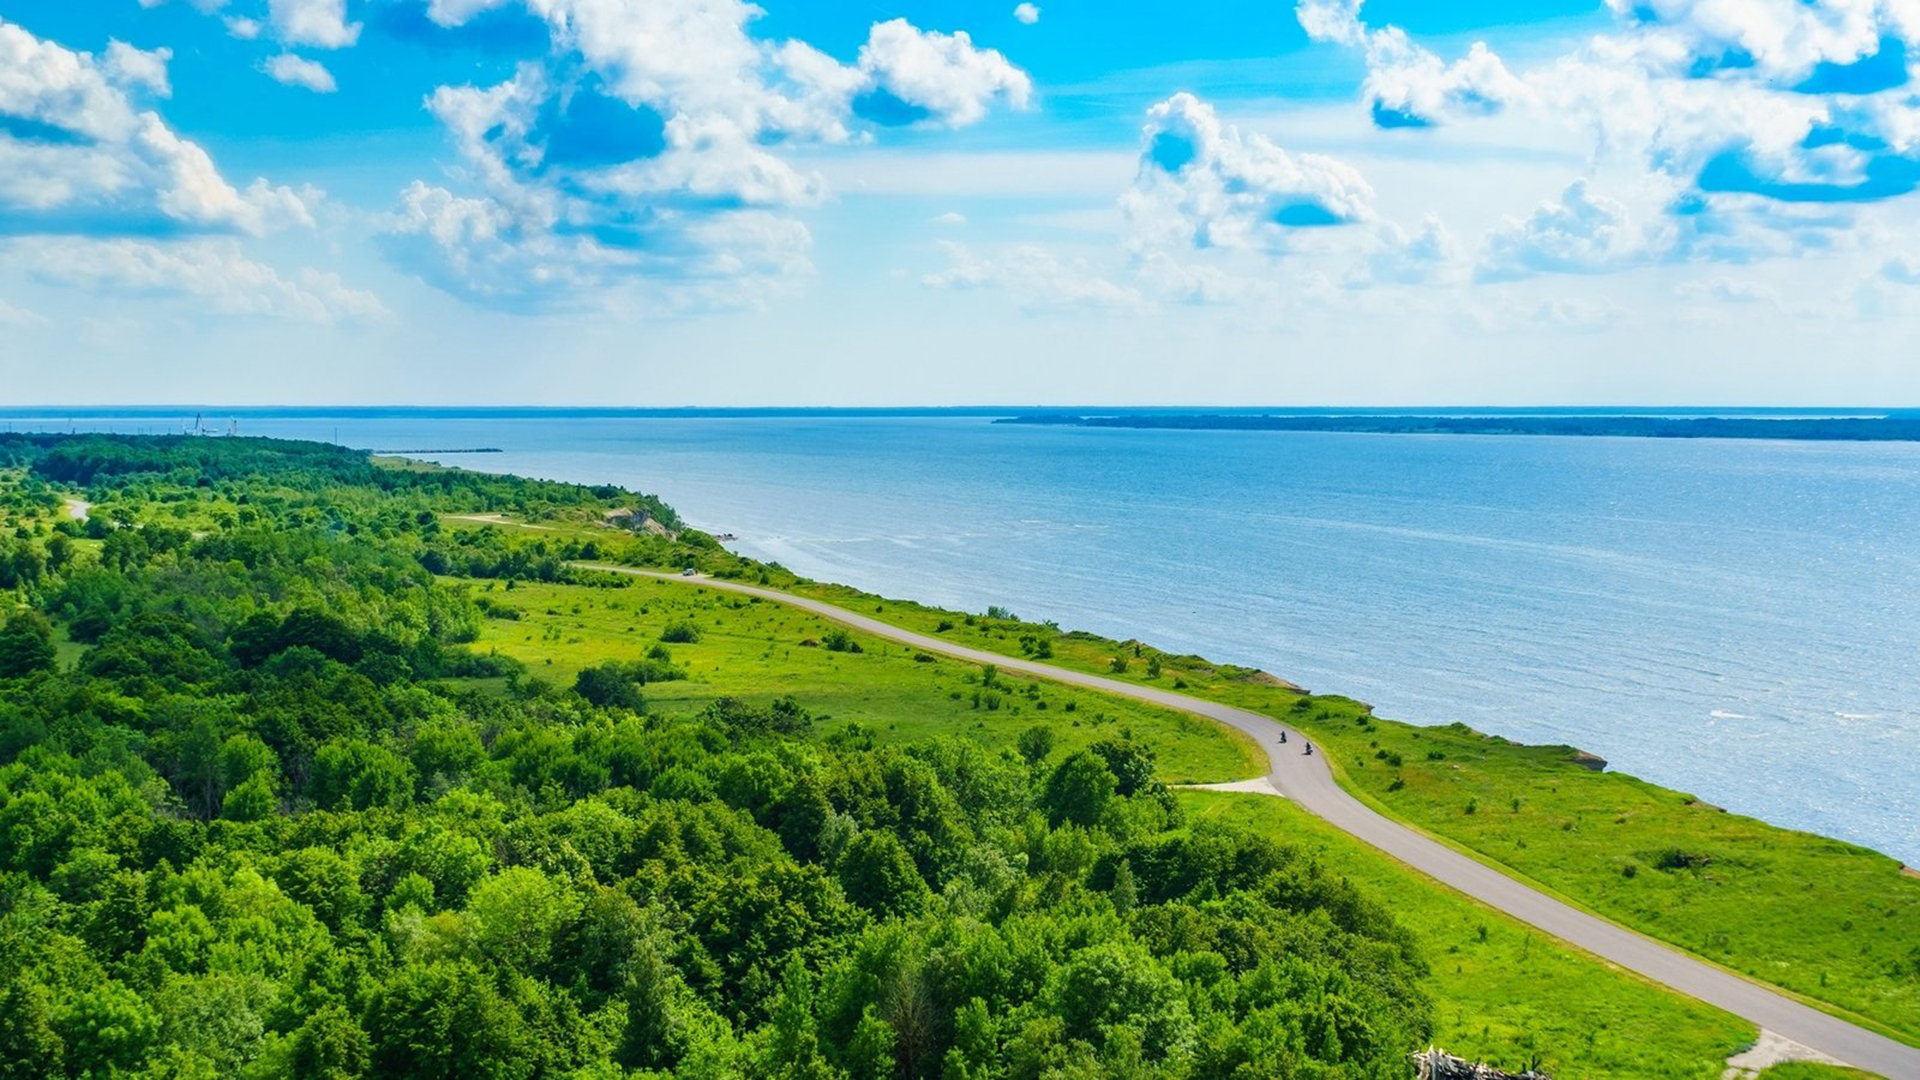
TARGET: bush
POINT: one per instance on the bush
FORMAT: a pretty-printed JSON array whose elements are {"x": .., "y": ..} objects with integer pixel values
[
  {"x": 840, "y": 641},
  {"x": 680, "y": 633}
]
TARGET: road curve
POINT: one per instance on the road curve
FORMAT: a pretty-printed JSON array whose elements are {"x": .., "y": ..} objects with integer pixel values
[{"x": 1308, "y": 782}]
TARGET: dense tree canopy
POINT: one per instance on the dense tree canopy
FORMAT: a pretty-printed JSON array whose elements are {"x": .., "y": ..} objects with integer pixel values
[{"x": 271, "y": 817}]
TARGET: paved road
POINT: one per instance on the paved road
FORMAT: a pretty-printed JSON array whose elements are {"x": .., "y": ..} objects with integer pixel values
[{"x": 1307, "y": 781}]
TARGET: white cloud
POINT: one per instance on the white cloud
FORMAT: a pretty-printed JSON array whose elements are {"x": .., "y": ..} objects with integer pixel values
[
  {"x": 298, "y": 71},
  {"x": 113, "y": 164},
  {"x": 452, "y": 13},
  {"x": 1729, "y": 106},
  {"x": 1581, "y": 233},
  {"x": 11, "y": 315},
  {"x": 1402, "y": 258},
  {"x": 1035, "y": 277},
  {"x": 943, "y": 74},
  {"x": 244, "y": 29},
  {"x": 1903, "y": 269},
  {"x": 213, "y": 270},
  {"x": 952, "y": 219},
  {"x": 1026, "y": 13},
  {"x": 664, "y": 148},
  {"x": 1725, "y": 290},
  {"x": 134, "y": 68},
  {"x": 318, "y": 23},
  {"x": 1201, "y": 183},
  {"x": 1406, "y": 85}
]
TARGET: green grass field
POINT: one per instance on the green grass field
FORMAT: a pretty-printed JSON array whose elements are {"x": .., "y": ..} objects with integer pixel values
[
  {"x": 1508, "y": 996},
  {"x": 753, "y": 650}
]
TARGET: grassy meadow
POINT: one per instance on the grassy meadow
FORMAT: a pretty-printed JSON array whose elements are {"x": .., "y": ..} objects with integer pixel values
[{"x": 1502, "y": 991}]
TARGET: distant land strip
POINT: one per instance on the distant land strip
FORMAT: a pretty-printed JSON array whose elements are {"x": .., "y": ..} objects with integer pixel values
[
  {"x": 466, "y": 450},
  {"x": 1899, "y": 428}
]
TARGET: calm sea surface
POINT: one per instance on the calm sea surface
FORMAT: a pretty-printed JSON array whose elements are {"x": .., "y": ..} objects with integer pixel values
[{"x": 1734, "y": 619}]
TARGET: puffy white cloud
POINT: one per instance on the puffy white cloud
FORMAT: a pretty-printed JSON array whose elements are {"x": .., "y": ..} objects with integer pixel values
[
  {"x": 951, "y": 219},
  {"x": 1337, "y": 21},
  {"x": 1402, "y": 258},
  {"x": 1026, "y": 13},
  {"x": 298, "y": 71},
  {"x": 1778, "y": 40},
  {"x": 319, "y": 23},
  {"x": 134, "y": 68},
  {"x": 243, "y": 28},
  {"x": 944, "y": 75},
  {"x": 1201, "y": 183},
  {"x": 214, "y": 270},
  {"x": 657, "y": 143},
  {"x": 82, "y": 155},
  {"x": 452, "y": 13},
  {"x": 1580, "y": 233},
  {"x": 1406, "y": 85},
  {"x": 1037, "y": 278}
]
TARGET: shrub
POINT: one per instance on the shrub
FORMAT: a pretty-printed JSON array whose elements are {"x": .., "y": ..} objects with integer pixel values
[
  {"x": 680, "y": 633},
  {"x": 838, "y": 640}
]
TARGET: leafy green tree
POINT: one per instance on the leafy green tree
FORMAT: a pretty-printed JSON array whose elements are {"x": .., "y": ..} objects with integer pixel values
[
  {"x": 329, "y": 1045},
  {"x": 879, "y": 875},
  {"x": 26, "y": 645},
  {"x": 355, "y": 774},
  {"x": 446, "y": 1021},
  {"x": 253, "y": 799},
  {"x": 1036, "y": 744},
  {"x": 1078, "y": 790},
  {"x": 611, "y": 685}
]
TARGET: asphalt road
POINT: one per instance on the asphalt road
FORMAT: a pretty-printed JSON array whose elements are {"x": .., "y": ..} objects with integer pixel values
[{"x": 1308, "y": 782}]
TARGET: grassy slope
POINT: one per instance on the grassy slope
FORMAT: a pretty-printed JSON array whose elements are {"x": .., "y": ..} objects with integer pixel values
[
  {"x": 1490, "y": 995},
  {"x": 1503, "y": 991},
  {"x": 751, "y": 649},
  {"x": 1832, "y": 921}
]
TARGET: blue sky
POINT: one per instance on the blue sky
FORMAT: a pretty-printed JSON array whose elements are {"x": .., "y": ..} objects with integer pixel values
[{"x": 665, "y": 202}]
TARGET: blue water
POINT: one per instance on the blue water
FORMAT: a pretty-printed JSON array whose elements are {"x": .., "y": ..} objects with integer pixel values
[{"x": 1733, "y": 619}]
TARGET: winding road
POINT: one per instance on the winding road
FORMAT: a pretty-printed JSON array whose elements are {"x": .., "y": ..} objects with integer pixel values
[{"x": 1309, "y": 782}]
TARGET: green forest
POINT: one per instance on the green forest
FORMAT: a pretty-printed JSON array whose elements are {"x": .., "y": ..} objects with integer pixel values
[{"x": 271, "y": 808}]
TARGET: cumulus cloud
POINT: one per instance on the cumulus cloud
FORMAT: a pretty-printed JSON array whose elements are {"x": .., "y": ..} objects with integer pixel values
[
  {"x": 82, "y": 154},
  {"x": 940, "y": 76},
  {"x": 1581, "y": 233},
  {"x": 1407, "y": 85},
  {"x": 1761, "y": 120},
  {"x": 1402, "y": 258},
  {"x": 134, "y": 68},
  {"x": 321, "y": 24},
  {"x": 656, "y": 144},
  {"x": 1037, "y": 278},
  {"x": 213, "y": 270},
  {"x": 1202, "y": 183},
  {"x": 1026, "y": 13},
  {"x": 298, "y": 71},
  {"x": 452, "y": 13}
]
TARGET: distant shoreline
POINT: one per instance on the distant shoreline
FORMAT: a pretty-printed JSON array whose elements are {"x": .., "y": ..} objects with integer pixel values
[{"x": 1882, "y": 428}]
